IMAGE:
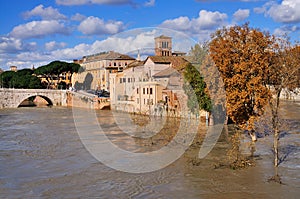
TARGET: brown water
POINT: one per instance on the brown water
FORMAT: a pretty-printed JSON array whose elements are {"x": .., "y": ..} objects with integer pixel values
[{"x": 41, "y": 156}]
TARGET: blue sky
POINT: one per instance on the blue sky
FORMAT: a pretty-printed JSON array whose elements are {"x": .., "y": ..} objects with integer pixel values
[{"x": 36, "y": 32}]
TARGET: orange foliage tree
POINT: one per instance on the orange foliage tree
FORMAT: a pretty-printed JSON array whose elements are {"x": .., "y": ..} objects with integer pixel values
[{"x": 242, "y": 56}]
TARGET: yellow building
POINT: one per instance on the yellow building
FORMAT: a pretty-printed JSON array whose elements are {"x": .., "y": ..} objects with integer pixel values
[{"x": 95, "y": 70}]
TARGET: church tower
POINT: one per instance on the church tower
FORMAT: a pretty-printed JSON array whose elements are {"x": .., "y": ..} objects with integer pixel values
[{"x": 163, "y": 46}]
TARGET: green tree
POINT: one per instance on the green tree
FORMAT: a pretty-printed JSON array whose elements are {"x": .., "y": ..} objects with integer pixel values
[
  {"x": 194, "y": 87},
  {"x": 20, "y": 79},
  {"x": 198, "y": 53},
  {"x": 52, "y": 70},
  {"x": 6, "y": 79}
]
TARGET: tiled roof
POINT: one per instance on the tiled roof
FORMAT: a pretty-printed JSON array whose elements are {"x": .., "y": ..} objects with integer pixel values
[
  {"x": 178, "y": 63},
  {"x": 163, "y": 37},
  {"x": 166, "y": 73},
  {"x": 111, "y": 55},
  {"x": 135, "y": 63}
]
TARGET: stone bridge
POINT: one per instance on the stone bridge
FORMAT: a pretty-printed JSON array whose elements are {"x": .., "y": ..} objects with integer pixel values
[{"x": 12, "y": 98}]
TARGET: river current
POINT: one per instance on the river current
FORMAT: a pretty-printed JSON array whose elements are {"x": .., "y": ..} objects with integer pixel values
[{"x": 42, "y": 156}]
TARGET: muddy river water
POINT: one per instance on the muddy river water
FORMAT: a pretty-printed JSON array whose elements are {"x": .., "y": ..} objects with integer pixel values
[{"x": 42, "y": 156}]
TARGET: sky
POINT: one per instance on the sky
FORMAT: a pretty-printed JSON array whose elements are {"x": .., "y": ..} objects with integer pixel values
[{"x": 36, "y": 32}]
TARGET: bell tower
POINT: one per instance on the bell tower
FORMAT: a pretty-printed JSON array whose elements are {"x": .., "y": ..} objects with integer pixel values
[{"x": 163, "y": 46}]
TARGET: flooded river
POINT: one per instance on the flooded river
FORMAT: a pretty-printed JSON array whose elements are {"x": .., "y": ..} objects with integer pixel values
[{"x": 42, "y": 156}]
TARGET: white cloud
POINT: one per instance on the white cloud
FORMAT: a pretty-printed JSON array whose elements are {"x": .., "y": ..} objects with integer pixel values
[
  {"x": 78, "y": 17},
  {"x": 54, "y": 45},
  {"x": 286, "y": 12},
  {"x": 13, "y": 45},
  {"x": 208, "y": 20},
  {"x": 285, "y": 30},
  {"x": 180, "y": 23},
  {"x": 84, "y": 2},
  {"x": 95, "y": 26},
  {"x": 241, "y": 14},
  {"x": 128, "y": 42},
  {"x": 48, "y": 13},
  {"x": 72, "y": 2},
  {"x": 36, "y": 29},
  {"x": 206, "y": 23},
  {"x": 150, "y": 3},
  {"x": 9, "y": 45}
]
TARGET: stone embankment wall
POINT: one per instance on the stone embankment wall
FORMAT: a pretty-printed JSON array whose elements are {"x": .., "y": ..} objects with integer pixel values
[
  {"x": 80, "y": 100},
  {"x": 292, "y": 96}
]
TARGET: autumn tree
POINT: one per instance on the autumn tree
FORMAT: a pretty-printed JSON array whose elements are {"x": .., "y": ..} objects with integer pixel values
[
  {"x": 242, "y": 56},
  {"x": 283, "y": 76}
]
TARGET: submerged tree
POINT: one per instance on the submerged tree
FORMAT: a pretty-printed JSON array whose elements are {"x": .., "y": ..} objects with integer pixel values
[
  {"x": 283, "y": 76},
  {"x": 242, "y": 56}
]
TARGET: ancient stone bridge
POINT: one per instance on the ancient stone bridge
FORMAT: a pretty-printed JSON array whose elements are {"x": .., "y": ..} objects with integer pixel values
[{"x": 12, "y": 98}]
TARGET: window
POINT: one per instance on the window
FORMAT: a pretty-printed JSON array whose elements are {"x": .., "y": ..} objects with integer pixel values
[
  {"x": 137, "y": 91},
  {"x": 143, "y": 90},
  {"x": 151, "y": 91},
  {"x": 124, "y": 79},
  {"x": 109, "y": 64},
  {"x": 147, "y": 90},
  {"x": 165, "y": 44},
  {"x": 137, "y": 100},
  {"x": 144, "y": 101},
  {"x": 128, "y": 80},
  {"x": 115, "y": 64},
  {"x": 121, "y": 80}
]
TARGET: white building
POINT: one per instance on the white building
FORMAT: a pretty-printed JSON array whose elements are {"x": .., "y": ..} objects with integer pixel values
[{"x": 150, "y": 86}]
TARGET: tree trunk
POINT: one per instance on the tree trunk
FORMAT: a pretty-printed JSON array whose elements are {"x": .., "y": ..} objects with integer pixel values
[
  {"x": 253, "y": 136},
  {"x": 276, "y": 154},
  {"x": 275, "y": 123}
]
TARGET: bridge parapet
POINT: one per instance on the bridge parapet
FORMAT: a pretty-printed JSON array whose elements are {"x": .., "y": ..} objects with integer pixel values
[{"x": 12, "y": 98}]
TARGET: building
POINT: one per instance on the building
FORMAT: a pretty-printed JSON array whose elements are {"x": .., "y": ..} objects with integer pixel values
[
  {"x": 13, "y": 68},
  {"x": 61, "y": 81},
  {"x": 150, "y": 87},
  {"x": 153, "y": 86},
  {"x": 163, "y": 46},
  {"x": 95, "y": 70}
]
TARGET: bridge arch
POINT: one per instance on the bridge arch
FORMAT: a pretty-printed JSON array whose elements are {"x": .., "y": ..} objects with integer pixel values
[{"x": 47, "y": 98}]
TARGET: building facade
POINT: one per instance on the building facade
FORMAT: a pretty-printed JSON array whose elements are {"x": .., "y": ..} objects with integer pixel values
[
  {"x": 95, "y": 70},
  {"x": 154, "y": 87},
  {"x": 163, "y": 46}
]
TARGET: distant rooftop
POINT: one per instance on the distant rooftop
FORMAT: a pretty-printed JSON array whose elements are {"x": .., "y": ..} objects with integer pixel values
[
  {"x": 110, "y": 55},
  {"x": 163, "y": 37},
  {"x": 178, "y": 63}
]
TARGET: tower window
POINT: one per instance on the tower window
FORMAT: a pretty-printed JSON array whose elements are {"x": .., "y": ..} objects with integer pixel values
[{"x": 165, "y": 44}]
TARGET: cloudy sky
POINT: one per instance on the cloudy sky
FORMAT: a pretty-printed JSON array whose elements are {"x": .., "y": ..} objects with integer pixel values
[{"x": 35, "y": 32}]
